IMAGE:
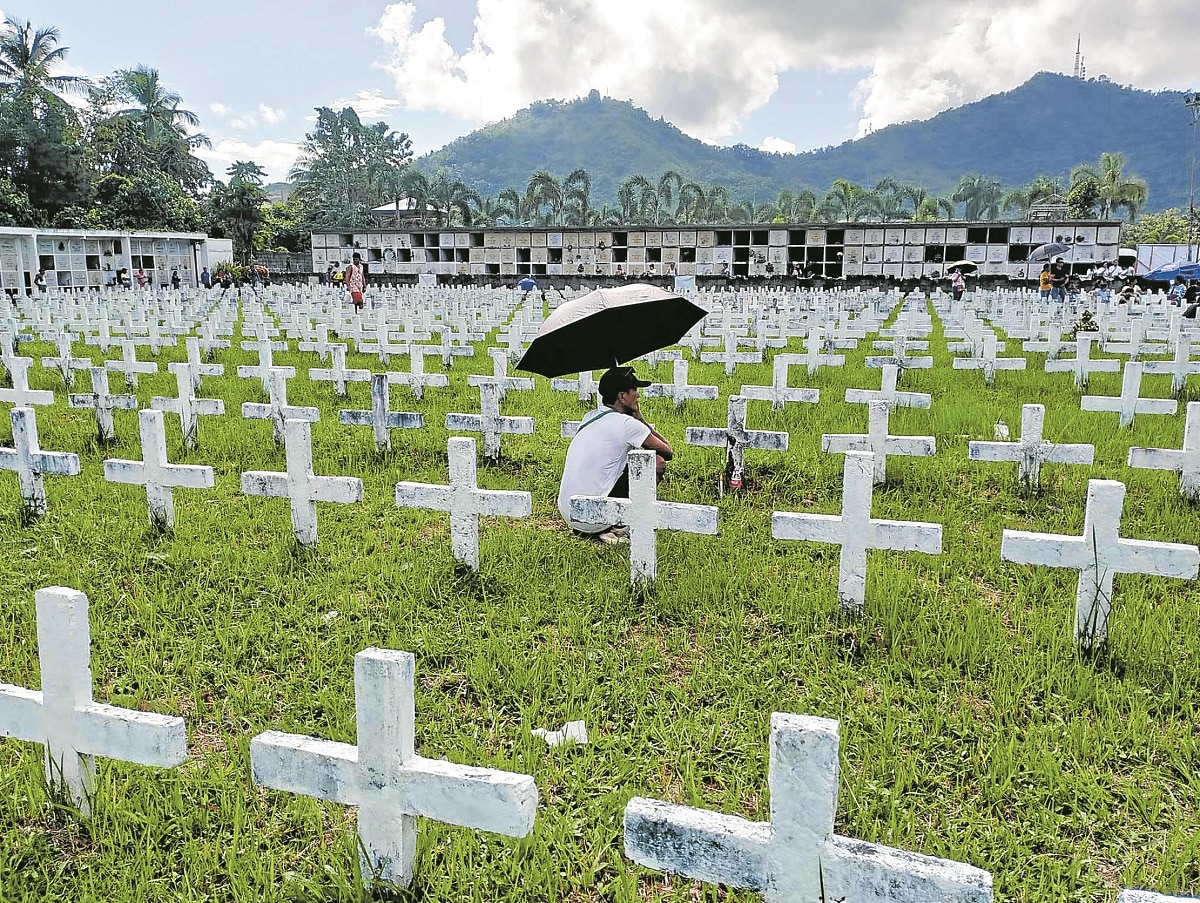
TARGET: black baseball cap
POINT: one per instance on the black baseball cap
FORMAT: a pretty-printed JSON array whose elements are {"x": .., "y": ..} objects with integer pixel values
[{"x": 618, "y": 380}]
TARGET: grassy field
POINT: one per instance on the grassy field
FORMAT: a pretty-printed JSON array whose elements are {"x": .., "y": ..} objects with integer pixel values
[{"x": 970, "y": 727}]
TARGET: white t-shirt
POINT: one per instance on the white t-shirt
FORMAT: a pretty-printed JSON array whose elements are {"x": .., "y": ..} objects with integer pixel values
[{"x": 597, "y": 458}]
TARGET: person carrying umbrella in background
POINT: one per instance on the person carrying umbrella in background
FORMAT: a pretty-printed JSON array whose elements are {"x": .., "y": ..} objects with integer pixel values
[{"x": 598, "y": 457}]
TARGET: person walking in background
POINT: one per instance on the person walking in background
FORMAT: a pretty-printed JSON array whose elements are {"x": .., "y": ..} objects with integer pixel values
[
  {"x": 356, "y": 282},
  {"x": 1044, "y": 283},
  {"x": 1059, "y": 274},
  {"x": 206, "y": 278},
  {"x": 958, "y": 284}
]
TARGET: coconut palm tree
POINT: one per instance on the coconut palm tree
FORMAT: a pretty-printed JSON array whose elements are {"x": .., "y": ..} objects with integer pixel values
[
  {"x": 796, "y": 206},
  {"x": 845, "y": 201},
  {"x": 577, "y": 198},
  {"x": 27, "y": 58},
  {"x": 246, "y": 171},
  {"x": 155, "y": 108},
  {"x": 980, "y": 196},
  {"x": 1041, "y": 190},
  {"x": 638, "y": 199},
  {"x": 451, "y": 196},
  {"x": 666, "y": 210},
  {"x": 1114, "y": 190},
  {"x": 544, "y": 198}
]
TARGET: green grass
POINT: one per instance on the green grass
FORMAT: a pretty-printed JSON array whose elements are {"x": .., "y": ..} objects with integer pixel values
[{"x": 970, "y": 727}]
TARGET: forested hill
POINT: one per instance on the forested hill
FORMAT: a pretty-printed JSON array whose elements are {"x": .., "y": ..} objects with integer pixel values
[{"x": 1045, "y": 126}]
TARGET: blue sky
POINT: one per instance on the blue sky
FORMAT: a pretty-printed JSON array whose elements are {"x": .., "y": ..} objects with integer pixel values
[{"x": 779, "y": 74}]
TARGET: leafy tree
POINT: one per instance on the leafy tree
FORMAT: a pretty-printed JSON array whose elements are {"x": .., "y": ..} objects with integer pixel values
[
  {"x": 282, "y": 229},
  {"x": 246, "y": 171},
  {"x": 980, "y": 196},
  {"x": 27, "y": 58},
  {"x": 149, "y": 200},
  {"x": 577, "y": 198},
  {"x": 15, "y": 209},
  {"x": 452, "y": 199},
  {"x": 845, "y": 201},
  {"x": 1168, "y": 226},
  {"x": 237, "y": 208},
  {"x": 1041, "y": 190},
  {"x": 1113, "y": 189}
]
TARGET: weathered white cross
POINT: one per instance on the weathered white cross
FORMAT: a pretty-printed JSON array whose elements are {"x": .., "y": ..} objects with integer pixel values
[
  {"x": 888, "y": 392},
  {"x": 1082, "y": 364},
  {"x": 63, "y": 717},
  {"x": 298, "y": 484},
  {"x": 320, "y": 344},
  {"x": 337, "y": 372},
  {"x": 678, "y": 389},
  {"x": 266, "y": 351},
  {"x": 1099, "y": 554},
  {"x": 380, "y": 417},
  {"x": 735, "y": 435},
  {"x": 156, "y": 473},
  {"x": 795, "y": 857},
  {"x": 500, "y": 375},
  {"x": 1053, "y": 345},
  {"x": 1127, "y": 404},
  {"x": 489, "y": 422},
  {"x": 100, "y": 401},
  {"x": 779, "y": 393},
  {"x": 1146, "y": 896},
  {"x": 20, "y": 394},
  {"x": 197, "y": 369},
  {"x": 1184, "y": 461},
  {"x": 856, "y": 531},
  {"x": 187, "y": 406},
  {"x": 1180, "y": 367},
  {"x": 644, "y": 515},
  {"x": 277, "y": 409},
  {"x": 209, "y": 342},
  {"x": 417, "y": 379},
  {"x": 382, "y": 344},
  {"x": 585, "y": 387},
  {"x": 816, "y": 354},
  {"x": 877, "y": 441},
  {"x": 988, "y": 362},
  {"x": 66, "y": 363},
  {"x": 899, "y": 356},
  {"x": 729, "y": 355},
  {"x": 464, "y": 501},
  {"x": 31, "y": 463},
  {"x": 1031, "y": 451},
  {"x": 384, "y": 777},
  {"x": 130, "y": 365}
]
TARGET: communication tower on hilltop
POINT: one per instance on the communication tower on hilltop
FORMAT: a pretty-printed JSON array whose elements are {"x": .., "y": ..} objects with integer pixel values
[{"x": 1080, "y": 68}]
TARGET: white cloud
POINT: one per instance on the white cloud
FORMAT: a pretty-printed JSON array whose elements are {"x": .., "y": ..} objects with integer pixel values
[
  {"x": 242, "y": 123},
  {"x": 276, "y": 157},
  {"x": 219, "y": 108},
  {"x": 705, "y": 68},
  {"x": 271, "y": 116},
  {"x": 369, "y": 105},
  {"x": 773, "y": 145}
]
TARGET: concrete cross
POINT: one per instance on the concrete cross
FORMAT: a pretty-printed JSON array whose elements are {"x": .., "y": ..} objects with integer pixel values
[
  {"x": 187, "y": 406},
  {"x": 795, "y": 856},
  {"x": 209, "y": 342},
  {"x": 103, "y": 338},
  {"x": 66, "y": 363},
  {"x": 877, "y": 441},
  {"x": 778, "y": 393},
  {"x": 298, "y": 484},
  {"x": 1053, "y": 345},
  {"x": 100, "y": 401},
  {"x": 1031, "y": 451},
  {"x": 464, "y": 501},
  {"x": 156, "y": 473},
  {"x": 735, "y": 435},
  {"x": 384, "y": 777},
  {"x": 1082, "y": 364},
  {"x": 63, "y": 717},
  {"x": 644, "y": 515},
  {"x": 988, "y": 362},
  {"x": 130, "y": 365},
  {"x": 888, "y": 392},
  {"x": 586, "y": 387},
  {"x": 337, "y": 372},
  {"x": 20, "y": 394},
  {"x": 1184, "y": 461},
  {"x": 382, "y": 344},
  {"x": 899, "y": 357},
  {"x": 31, "y": 463},
  {"x": 197, "y": 369},
  {"x": 856, "y": 531},
  {"x": 1136, "y": 345},
  {"x": 380, "y": 417},
  {"x": 500, "y": 376},
  {"x": 729, "y": 355},
  {"x": 489, "y": 422},
  {"x": 1180, "y": 367},
  {"x": 320, "y": 344},
  {"x": 817, "y": 354},
  {"x": 417, "y": 379},
  {"x": 678, "y": 389},
  {"x": 1127, "y": 404},
  {"x": 447, "y": 349},
  {"x": 266, "y": 351},
  {"x": 277, "y": 409},
  {"x": 1099, "y": 554}
]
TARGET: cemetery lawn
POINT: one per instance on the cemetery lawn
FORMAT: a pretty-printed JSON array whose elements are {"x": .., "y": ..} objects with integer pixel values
[{"x": 971, "y": 729}]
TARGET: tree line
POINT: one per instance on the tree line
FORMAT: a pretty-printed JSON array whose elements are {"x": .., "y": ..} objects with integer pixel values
[{"x": 120, "y": 153}]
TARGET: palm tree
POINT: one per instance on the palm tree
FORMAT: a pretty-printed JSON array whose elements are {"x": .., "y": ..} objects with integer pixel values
[
  {"x": 1041, "y": 190},
  {"x": 638, "y": 199},
  {"x": 26, "y": 60},
  {"x": 577, "y": 197},
  {"x": 884, "y": 202},
  {"x": 933, "y": 208},
  {"x": 451, "y": 195},
  {"x": 1113, "y": 189},
  {"x": 155, "y": 109},
  {"x": 246, "y": 171},
  {"x": 916, "y": 196},
  {"x": 413, "y": 187},
  {"x": 845, "y": 201},
  {"x": 670, "y": 184},
  {"x": 693, "y": 203},
  {"x": 980, "y": 197},
  {"x": 796, "y": 206},
  {"x": 544, "y": 191}
]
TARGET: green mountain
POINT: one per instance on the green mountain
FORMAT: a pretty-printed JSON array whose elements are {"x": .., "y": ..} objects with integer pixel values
[{"x": 1046, "y": 126}]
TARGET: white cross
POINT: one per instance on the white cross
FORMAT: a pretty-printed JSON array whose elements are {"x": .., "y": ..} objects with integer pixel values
[
  {"x": 187, "y": 406},
  {"x": 155, "y": 472},
  {"x": 877, "y": 441},
  {"x": 899, "y": 356},
  {"x": 31, "y": 463},
  {"x": 63, "y": 717},
  {"x": 277, "y": 409},
  {"x": 320, "y": 345},
  {"x": 464, "y": 501},
  {"x": 730, "y": 356},
  {"x": 888, "y": 392},
  {"x": 795, "y": 857},
  {"x": 20, "y": 394},
  {"x": 1136, "y": 346},
  {"x": 1082, "y": 364},
  {"x": 1127, "y": 404},
  {"x": 448, "y": 349},
  {"x": 130, "y": 365},
  {"x": 1053, "y": 345},
  {"x": 816, "y": 354},
  {"x": 209, "y": 341},
  {"x": 197, "y": 369},
  {"x": 100, "y": 401},
  {"x": 1099, "y": 554},
  {"x": 337, "y": 372},
  {"x": 1184, "y": 461},
  {"x": 385, "y": 778},
  {"x": 735, "y": 436},
  {"x": 266, "y": 363},
  {"x": 489, "y": 422},
  {"x": 678, "y": 389},
  {"x": 856, "y": 531},
  {"x": 299, "y": 485},
  {"x": 644, "y": 515},
  {"x": 380, "y": 417},
  {"x": 66, "y": 364},
  {"x": 586, "y": 387},
  {"x": 1180, "y": 367},
  {"x": 500, "y": 376},
  {"x": 1031, "y": 451},
  {"x": 778, "y": 393},
  {"x": 988, "y": 362},
  {"x": 417, "y": 379}
]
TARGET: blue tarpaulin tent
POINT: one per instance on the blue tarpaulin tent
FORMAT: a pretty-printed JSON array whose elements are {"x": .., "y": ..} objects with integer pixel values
[{"x": 1168, "y": 271}]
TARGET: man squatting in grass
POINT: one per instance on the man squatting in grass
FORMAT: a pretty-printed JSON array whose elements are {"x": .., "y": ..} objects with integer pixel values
[{"x": 598, "y": 457}]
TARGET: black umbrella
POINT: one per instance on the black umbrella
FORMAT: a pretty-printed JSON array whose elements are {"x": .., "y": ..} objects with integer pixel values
[
  {"x": 1045, "y": 252},
  {"x": 609, "y": 326}
]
